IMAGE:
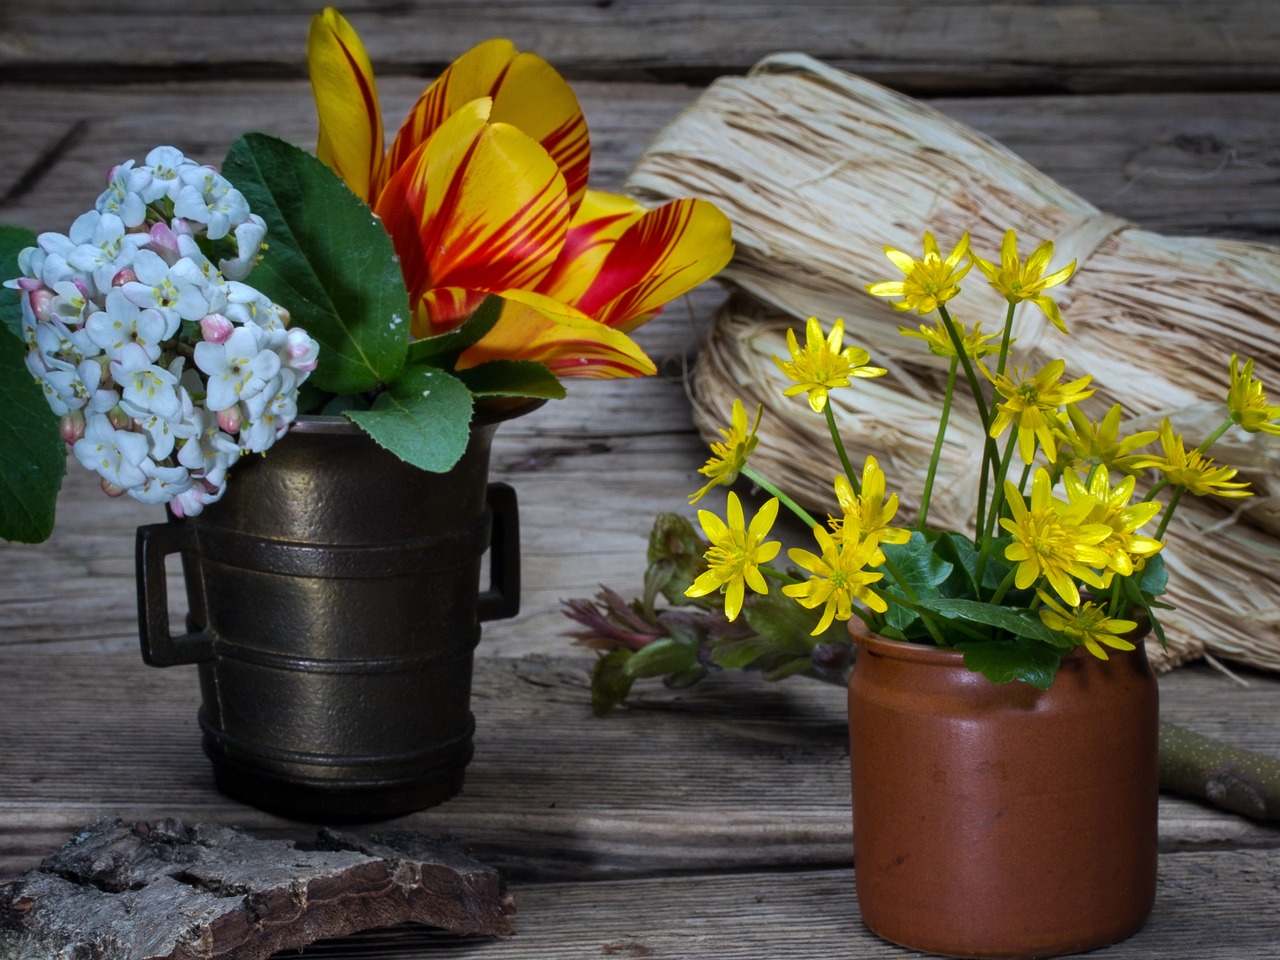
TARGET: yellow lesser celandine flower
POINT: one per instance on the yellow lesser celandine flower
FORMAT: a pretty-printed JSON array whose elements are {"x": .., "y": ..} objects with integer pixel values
[
  {"x": 1125, "y": 548},
  {"x": 1193, "y": 470},
  {"x": 928, "y": 281},
  {"x": 1017, "y": 281},
  {"x": 976, "y": 343},
  {"x": 735, "y": 554},
  {"x": 1087, "y": 444},
  {"x": 730, "y": 456},
  {"x": 839, "y": 575},
  {"x": 1086, "y": 624},
  {"x": 868, "y": 514},
  {"x": 823, "y": 364},
  {"x": 1052, "y": 540},
  {"x": 1032, "y": 403},
  {"x": 1247, "y": 403}
]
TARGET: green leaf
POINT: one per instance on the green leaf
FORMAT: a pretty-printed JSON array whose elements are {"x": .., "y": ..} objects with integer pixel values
[
  {"x": 328, "y": 260},
  {"x": 424, "y": 418},
  {"x": 675, "y": 560},
  {"x": 788, "y": 668},
  {"x": 740, "y": 654},
  {"x": 785, "y": 624},
  {"x": 685, "y": 678},
  {"x": 1001, "y": 661},
  {"x": 443, "y": 349},
  {"x": 918, "y": 563},
  {"x": 34, "y": 457},
  {"x": 1016, "y": 620},
  {"x": 660, "y": 657},
  {"x": 610, "y": 681},
  {"x": 512, "y": 378},
  {"x": 13, "y": 240}
]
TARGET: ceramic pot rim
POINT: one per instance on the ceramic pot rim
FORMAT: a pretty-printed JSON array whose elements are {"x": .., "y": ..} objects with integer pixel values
[{"x": 314, "y": 423}]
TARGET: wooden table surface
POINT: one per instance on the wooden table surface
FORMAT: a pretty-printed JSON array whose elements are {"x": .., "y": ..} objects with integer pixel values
[{"x": 712, "y": 822}]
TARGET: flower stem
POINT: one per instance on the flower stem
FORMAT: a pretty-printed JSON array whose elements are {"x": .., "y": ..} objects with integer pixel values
[
  {"x": 1210, "y": 440},
  {"x": 990, "y": 454},
  {"x": 1168, "y": 511},
  {"x": 1005, "y": 339},
  {"x": 1005, "y": 584},
  {"x": 839, "y": 445},
  {"x": 925, "y": 617},
  {"x": 997, "y": 504},
  {"x": 937, "y": 445},
  {"x": 786, "y": 501}
]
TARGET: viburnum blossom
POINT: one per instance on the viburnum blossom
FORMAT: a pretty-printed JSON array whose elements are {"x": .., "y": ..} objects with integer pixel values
[{"x": 164, "y": 368}]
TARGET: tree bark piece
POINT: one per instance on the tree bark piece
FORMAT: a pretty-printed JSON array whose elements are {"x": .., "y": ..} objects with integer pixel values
[{"x": 166, "y": 891}]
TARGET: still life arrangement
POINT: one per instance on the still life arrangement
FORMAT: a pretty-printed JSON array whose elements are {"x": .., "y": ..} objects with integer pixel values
[{"x": 370, "y": 270}]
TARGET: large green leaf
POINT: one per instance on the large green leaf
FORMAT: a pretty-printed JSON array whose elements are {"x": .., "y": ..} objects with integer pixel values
[
  {"x": 512, "y": 378},
  {"x": 667, "y": 655},
  {"x": 1001, "y": 661},
  {"x": 1016, "y": 620},
  {"x": 33, "y": 458},
  {"x": 328, "y": 260},
  {"x": 444, "y": 348},
  {"x": 424, "y": 418},
  {"x": 12, "y": 242},
  {"x": 610, "y": 681}
]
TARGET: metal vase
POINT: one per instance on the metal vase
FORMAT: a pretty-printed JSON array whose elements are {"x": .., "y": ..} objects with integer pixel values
[{"x": 335, "y": 605}]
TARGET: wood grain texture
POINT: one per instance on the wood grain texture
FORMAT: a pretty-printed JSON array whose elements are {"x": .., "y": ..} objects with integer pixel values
[{"x": 917, "y": 45}]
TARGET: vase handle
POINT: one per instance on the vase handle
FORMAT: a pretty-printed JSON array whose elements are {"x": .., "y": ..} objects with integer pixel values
[
  {"x": 502, "y": 599},
  {"x": 160, "y": 648}
]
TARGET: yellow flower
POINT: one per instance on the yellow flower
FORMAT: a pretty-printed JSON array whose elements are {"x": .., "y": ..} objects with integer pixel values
[
  {"x": 839, "y": 576},
  {"x": 1052, "y": 540},
  {"x": 728, "y": 458},
  {"x": 868, "y": 515},
  {"x": 929, "y": 281},
  {"x": 1124, "y": 548},
  {"x": 1097, "y": 444},
  {"x": 1088, "y": 625},
  {"x": 1017, "y": 281},
  {"x": 1247, "y": 402},
  {"x": 1194, "y": 470},
  {"x": 976, "y": 343},
  {"x": 823, "y": 363},
  {"x": 735, "y": 554},
  {"x": 1033, "y": 405}
]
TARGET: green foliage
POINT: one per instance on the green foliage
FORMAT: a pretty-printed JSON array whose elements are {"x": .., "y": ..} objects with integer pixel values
[
  {"x": 611, "y": 681},
  {"x": 35, "y": 457},
  {"x": 328, "y": 260},
  {"x": 423, "y": 418},
  {"x": 512, "y": 378}
]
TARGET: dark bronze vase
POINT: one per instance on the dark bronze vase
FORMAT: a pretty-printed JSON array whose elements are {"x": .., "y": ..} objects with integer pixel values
[
  {"x": 335, "y": 605},
  {"x": 1002, "y": 820}
]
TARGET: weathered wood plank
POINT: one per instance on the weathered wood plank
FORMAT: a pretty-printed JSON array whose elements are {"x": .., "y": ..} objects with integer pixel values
[
  {"x": 1206, "y": 907},
  {"x": 919, "y": 45},
  {"x": 1186, "y": 164},
  {"x": 731, "y": 774}
]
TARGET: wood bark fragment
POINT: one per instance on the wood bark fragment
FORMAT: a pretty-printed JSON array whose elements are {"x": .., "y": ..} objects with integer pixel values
[
  {"x": 1202, "y": 768},
  {"x": 167, "y": 891}
]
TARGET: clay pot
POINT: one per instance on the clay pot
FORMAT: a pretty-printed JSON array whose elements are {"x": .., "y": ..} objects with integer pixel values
[
  {"x": 1002, "y": 820},
  {"x": 335, "y": 605}
]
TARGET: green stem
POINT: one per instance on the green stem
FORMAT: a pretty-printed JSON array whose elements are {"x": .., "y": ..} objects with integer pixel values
[
  {"x": 839, "y": 445},
  {"x": 778, "y": 575},
  {"x": 997, "y": 504},
  {"x": 925, "y": 617},
  {"x": 990, "y": 453},
  {"x": 1005, "y": 340},
  {"x": 1168, "y": 512},
  {"x": 1210, "y": 440},
  {"x": 786, "y": 501},
  {"x": 1004, "y": 587},
  {"x": 937, "y": 445}
]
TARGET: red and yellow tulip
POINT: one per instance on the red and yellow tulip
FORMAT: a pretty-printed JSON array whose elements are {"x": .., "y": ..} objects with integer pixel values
[{"x": 484, "y": 191}]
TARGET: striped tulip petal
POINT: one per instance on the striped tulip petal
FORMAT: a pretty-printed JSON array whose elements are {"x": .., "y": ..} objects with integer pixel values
[
  {"x": 596, "y": 226},
  {"x": 527, "y": 93},
  {"x": 662, "y": 255},
  {"x": 480, "y": 206},
  {"x": 346, "y": 101},
  {"x": 535, "y": 327}
]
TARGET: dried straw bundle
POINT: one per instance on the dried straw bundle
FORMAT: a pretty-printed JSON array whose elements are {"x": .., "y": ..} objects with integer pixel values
[{"x": 819, "y": 170}]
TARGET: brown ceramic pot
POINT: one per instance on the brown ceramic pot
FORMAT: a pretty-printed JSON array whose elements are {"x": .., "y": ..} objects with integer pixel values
[{"x": 1002, "y": 820}]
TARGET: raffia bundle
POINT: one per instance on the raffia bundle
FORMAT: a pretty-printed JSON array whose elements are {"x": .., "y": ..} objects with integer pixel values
[{"x": 820, "y": 170}]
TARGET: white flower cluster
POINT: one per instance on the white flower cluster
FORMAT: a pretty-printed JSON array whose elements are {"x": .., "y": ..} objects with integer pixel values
[{"x": 163, "y": 367}]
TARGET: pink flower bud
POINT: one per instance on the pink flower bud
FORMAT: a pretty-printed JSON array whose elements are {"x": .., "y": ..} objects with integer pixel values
[
  {"x": 124, "y": 276},
  {"x": 29, "y": 284},
  {"x": 286, "y": 317},
  {"x": 164, "y": 243},
  {"x": 72, "y": 426},
  {"x": 230, "y": 419},
  {"x": 41, "y": 302},
  {"x": 83, "y": 288},
  {"x": 110, "y": 489},
  {"x": 216, "y": 328},
  {"x": 175, "y": 508},
  {"x": 111, "y": 174},
  {"x": 184, "y": 228}
]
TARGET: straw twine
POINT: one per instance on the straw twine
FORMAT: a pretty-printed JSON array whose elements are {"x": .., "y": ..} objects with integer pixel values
[{"x": 820, "y": 170}]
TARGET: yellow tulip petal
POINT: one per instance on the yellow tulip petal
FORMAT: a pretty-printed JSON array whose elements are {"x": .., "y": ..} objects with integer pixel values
[
  {"x": 535, "y": 327},
  {"x": 346, "y": 101},
  {"x": 527, "y": 93},
  {"x": 664, "y": 254},
  {"x": 597, "y": 224}
]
